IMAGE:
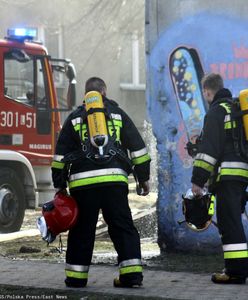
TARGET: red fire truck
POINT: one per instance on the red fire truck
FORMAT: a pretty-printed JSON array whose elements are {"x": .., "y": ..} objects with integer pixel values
[{"x": 29, "y": 123}]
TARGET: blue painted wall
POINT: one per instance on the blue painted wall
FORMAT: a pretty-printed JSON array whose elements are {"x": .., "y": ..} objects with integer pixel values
[{"x": 199, "y": 43}]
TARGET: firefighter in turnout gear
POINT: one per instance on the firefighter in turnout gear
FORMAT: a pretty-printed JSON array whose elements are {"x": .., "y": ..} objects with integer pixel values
[
  {"x": 227, "y": 175},
  {"x": 98, "y": 179}
]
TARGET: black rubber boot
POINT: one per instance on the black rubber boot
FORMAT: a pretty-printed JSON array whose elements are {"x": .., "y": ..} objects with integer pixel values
[
  {"x": 75, "y": 283},
  {"x": 119, "y": 284},
  {"x": 224, "y": 278},
  {"x": 128, "y": 280}
]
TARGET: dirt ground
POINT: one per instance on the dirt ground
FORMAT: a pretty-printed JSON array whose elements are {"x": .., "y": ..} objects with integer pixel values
[{"x": 34, "y": 248}]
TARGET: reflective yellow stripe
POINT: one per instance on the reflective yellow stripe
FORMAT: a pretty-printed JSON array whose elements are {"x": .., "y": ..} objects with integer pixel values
[
  {"x": 78, "y": 275},
  {"x": 117, "y": 128},
  {"x": 84, "y": 132},
  {"x": 218, "y": 178},
  {"x": 58, "y": 165},
  {"x": 226, "y": 106},
  {"x": 211, "y": 206},
  {"x": 234, "y": 172},
  {"x": 230, "y": 125},
  {"x": 204, "y": 165},
  {"x": 98, "y": 179},
  {"x": 116, "y": 122},
  {"x": 77, "y": 127},
  {"x": 235, "y": 254},
  {"x": 141, "y": 159},
  {"x": 131, "y": 269}
]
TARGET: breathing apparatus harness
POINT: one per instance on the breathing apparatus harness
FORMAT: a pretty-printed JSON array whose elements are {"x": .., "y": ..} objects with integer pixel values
[
  {"x": 239, "y": 125},
  {"x": 88, "y": 151},
  {"x": 112, "y": 148},
  {"x": 238, "y": 131}
]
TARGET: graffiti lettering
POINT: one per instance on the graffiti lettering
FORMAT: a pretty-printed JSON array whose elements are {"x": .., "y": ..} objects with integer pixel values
[
  {"x": 240, "y": 52},
  {"x": 231, "y": 70}
]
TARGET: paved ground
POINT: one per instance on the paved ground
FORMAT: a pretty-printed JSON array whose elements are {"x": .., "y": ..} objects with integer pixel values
[
  {"x": 19, "y": 275},
  {"x": 157, "y": 284}
]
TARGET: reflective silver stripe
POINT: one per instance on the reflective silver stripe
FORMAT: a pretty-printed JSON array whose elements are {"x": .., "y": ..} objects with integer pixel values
[
  {"x": 138, "y": 153},
  {"x": 234, "y": 165},
  {"x": 227, "y": 118},
  {"x": 58, "y": 157},
  {"x": 76, "y": 121},
  {"x": 110, "y": 171},
  {"x": 116, "y": 116},
  {"x": 202, "y": 156},
  {"x": 234, "y": 247},
  {"x": 77, "y": 268},
  {"x": 130, "y": 262}
]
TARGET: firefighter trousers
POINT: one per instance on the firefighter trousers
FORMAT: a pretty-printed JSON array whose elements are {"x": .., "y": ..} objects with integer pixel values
[
  {"x": 231, "y": 201},
  {"x": 113, "y": 202}
]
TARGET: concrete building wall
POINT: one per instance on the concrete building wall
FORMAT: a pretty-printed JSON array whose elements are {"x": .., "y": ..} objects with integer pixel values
[
  {"x": 184, "y": 40},
  {"x": 163, "y": 13},
  {"x": 96, "y": 35}
]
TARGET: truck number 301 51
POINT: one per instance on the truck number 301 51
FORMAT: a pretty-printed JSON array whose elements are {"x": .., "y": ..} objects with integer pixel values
[{"x": 16, "y": 119}]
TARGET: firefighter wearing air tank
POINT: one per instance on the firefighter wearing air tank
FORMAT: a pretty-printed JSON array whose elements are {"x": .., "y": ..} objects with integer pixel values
[
  {"x": 227, "y": 174},
  {"x": 91, "y": 159}
]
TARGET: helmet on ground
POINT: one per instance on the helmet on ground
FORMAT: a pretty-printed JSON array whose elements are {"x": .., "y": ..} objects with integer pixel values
[
  {"x": 59, "y": 215},
  {"x": 198, "y": 211}
]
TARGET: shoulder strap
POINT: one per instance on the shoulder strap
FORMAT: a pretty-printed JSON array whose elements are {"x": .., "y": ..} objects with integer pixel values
[{"x": 109, "y": 117}]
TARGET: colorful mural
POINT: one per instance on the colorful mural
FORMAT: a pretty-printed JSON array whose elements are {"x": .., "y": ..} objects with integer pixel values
[{"x": 184, "y": 52}]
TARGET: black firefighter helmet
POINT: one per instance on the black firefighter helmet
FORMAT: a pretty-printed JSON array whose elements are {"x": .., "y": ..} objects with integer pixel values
[{"x": 198, "y": 210}]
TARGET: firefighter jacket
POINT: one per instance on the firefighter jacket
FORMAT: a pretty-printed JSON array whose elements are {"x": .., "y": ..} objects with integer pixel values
[
  {"x": 84, "y": 172},
  {"x": 217, "y": 159}
]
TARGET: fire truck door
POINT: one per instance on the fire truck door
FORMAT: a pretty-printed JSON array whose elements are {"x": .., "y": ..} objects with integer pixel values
[{"x": 26, "y": 117}]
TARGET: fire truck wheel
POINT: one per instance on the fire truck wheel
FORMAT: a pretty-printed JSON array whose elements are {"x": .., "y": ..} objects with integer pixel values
[{"x": 12, "y": 201}]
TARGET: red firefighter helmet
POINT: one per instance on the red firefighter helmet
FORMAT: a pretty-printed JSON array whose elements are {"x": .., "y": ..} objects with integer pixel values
[{"x": 59, "y": 215}]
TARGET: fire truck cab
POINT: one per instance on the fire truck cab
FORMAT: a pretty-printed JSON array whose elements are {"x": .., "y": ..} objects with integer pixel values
[{"x": 29, "y": 124}]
